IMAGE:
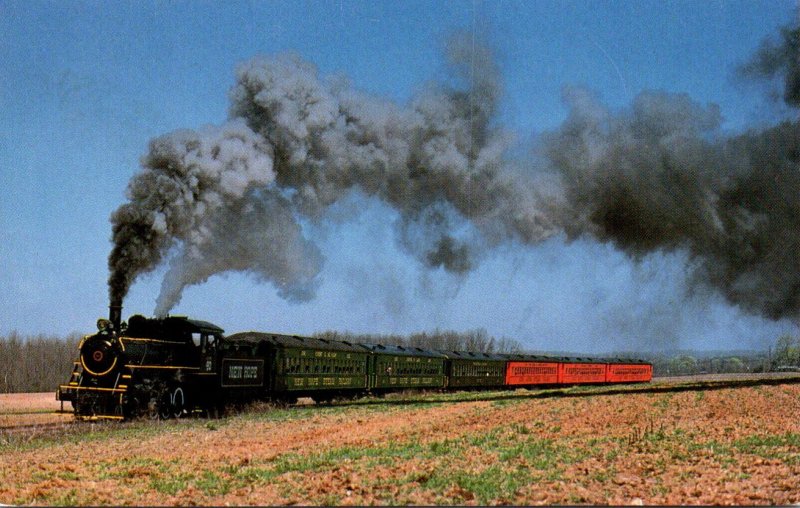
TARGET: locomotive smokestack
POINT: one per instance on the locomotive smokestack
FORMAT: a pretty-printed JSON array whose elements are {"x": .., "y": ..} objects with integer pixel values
[{"x": 115, "y": 315}]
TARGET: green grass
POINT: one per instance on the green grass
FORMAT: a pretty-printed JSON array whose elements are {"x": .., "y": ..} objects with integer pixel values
[
  {"x": 715, "y": 447},
  {"x": 664, "y": 401},
  {"x": 170, "y": 484},
  {"x": 489, "y": 468},
  {"x": 785, "y": 447},
  {"x": 65, "y": 498},
  {"x": 83, "y": 432},
  {"x": 131, "y": 467},
  {"x": 213, "y": 484},
  {"x": 484, "y": 467},
  {"x": 170, "y": 478},
  {"x": 753, "y": 444},
  {"x": 491, "y": 485},
  {"x": 261, "y": 412}
]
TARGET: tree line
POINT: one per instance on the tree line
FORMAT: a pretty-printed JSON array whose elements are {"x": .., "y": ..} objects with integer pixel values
[
  {"x": 477, "y": 340},
  {"x": 783, "y": 356},
  {"x": 787, "y": 353},
  {"x": 684, "y": 364},
  {"x": 37, "y": 363}
]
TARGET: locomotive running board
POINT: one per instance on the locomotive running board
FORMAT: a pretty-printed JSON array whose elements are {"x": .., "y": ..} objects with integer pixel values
[
  {"x": 94, "y": 418},
  {"x": 67, "y": 388}
]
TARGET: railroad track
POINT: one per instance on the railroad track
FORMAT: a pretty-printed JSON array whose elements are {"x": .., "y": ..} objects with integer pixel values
[
  {"x": 35, "y": 428},
  {"x": 727, "y": 377},
  {"x": 34, "y": 421},
  {"x": 22, "y": 422},
  {"x": 658, "y": 385},
  {"x": 684, "y": 384}
]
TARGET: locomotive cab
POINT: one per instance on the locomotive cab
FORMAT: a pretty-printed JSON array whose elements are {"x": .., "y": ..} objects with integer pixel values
[{"x": 206, "y": 344}]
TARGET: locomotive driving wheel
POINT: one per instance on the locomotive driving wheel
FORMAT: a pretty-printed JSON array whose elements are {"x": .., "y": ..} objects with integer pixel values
[
  {"x": 155, "y": 401},
  {"x": 164, "y": 406},
  {"x": 177, "y": 402}
]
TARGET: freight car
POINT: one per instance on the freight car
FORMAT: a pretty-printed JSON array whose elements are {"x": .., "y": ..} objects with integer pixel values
[{"x": 164, "y": 368}]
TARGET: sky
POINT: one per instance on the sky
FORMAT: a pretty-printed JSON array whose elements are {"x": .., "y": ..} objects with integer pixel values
[{"x": 84, "y": 86}]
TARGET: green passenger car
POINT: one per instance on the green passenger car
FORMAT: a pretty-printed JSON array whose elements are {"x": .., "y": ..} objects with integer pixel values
[
  {"x": 302, "y": 366},
  {"x": 398, "y": 367},
  {"x": 466, "y": 369}
]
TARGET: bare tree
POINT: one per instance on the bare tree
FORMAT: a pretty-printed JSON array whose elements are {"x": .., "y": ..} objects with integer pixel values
[
  {"x": 35, "y": 363},
  {"x": 477, "y": 340}
]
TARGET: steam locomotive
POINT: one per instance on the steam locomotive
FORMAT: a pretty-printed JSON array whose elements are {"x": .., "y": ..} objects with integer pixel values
[{"x": 174, "y": 366}]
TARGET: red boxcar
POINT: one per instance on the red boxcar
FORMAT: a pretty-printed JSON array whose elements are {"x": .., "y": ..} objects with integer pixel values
[
  {"x": 531, "y": 370},
  {"x": 581, "y": 371},
  {"x": 629, "y": 371}
]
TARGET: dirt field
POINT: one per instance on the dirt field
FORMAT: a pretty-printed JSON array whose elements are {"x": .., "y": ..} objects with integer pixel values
[
  {"x": 720, "y": 446},
  {"x": 24, "y": 409}
]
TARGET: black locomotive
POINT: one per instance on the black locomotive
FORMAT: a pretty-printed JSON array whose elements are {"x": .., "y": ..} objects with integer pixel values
[
  {"x": 165, "y": 368},
  {"x": 156, "y": 367}
]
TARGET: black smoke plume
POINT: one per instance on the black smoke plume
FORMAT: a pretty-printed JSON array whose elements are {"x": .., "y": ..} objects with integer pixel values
[
  {"x": 298, "y": 144},
  {"x": 659, "y": 175},
  {"x": 779, "y": 60}
]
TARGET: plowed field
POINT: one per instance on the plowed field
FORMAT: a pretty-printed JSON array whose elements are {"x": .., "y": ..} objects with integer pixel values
[
  {"x": 722, "y": 446},
  {"x": 26, "y": 409}
]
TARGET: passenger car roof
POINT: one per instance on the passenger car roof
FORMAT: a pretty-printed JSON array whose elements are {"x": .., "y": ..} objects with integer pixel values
[
  {"x": 401, "y": 350},
  {"x": 533, "y": 358},
  {"x": 627, "y": 360},
  {"x": 293, "y": 341},
  {"x": 472, "y": 355}
]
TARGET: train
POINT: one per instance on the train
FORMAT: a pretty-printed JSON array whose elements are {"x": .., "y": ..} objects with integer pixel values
[{"x": 174, "y": 366}]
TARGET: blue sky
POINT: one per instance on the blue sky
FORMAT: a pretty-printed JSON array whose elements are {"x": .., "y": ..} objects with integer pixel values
[{"x": 85, "y": 85}]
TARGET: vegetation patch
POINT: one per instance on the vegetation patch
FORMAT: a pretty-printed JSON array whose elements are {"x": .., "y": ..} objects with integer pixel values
[{"x": 730, "y": 446}]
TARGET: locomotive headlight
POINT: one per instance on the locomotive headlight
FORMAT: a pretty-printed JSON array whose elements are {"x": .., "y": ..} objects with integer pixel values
[{"x": 98, "y": 356}]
